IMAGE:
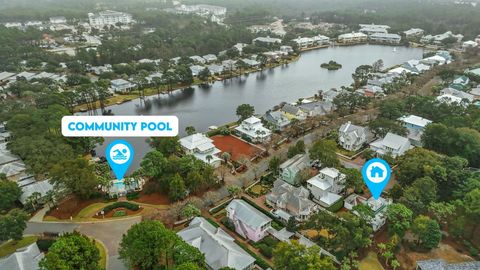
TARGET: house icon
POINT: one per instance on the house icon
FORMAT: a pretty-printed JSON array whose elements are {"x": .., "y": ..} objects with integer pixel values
[{"x": 376, "y": 172}]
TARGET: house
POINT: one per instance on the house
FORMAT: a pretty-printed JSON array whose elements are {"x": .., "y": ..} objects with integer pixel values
[
  {"x": 371, "y": 29},
  {"x": 413, "y": 33},
  {"x": 30, "y": 185},
  {"x": 196, "y": 69},
  {"x": 378, "y": 207},
  {"x": 229, "y": 65},
  {"x": 121, "y": 86},
  {"x": 460, "y": 83},
  {"x": 352, "y": 38},
  {"x": 293, "y": 112},
  {"x": 209, "y": 58},
  {"x": 58, "y": 20},
  {"x": 202, "y": 148},
  {"x": 253, "y": 129},
  {"x": 469, "y": 44},
  {"x": 371, "y": 91},
  {"x": 249, "y": 222},
  {"x": 250, "y": 63},
  {"x": 440, "y": 264},
  {"x": 391, "y": 144},
  {"x": 352, "y": 137},
  {"x": 331, "y": 94},
  {"x": 460, "y": 95},
  {"x": 385, "y": 38},
  {"x": 4, "y": 76},
  {"x": 289, "y": 201},
  {"x": 276, "y": 119},
  {"x": 415, "y": 126},
  {"x": 26, "y": 258},
  {"x": 475, "y": 92},
  {"x": 98, "y": 70},
  {"x": 286, "y": 49},
  {"x": 316, "y": 108},
  {"x": 326, "y": 186},
  {"x": 305, "y": 42},
  {"x": 267, "y": 40},
  {"x": 198, "y": 59},
  {"x": 215, "y": 69},
  {"x": 239, "y": 47},
  {"x": 440, "y": 39},
  {"x": 151, "y": 79},
  {"x": 219, "y": 248},
  {"x": 290, "y": 169}
]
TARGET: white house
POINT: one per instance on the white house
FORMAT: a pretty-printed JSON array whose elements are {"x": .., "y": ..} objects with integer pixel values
[
  {"x": 267, "y": 40},
  {"x": 58, "y": 20},
  {"x": 415, "y": 126},
  {"x": 326, "y": 186},
  {"x": 253, "y": 129},
  {"x": 198, "y": 59},
  {"x": 202, "y": 148},
  {"x": 391, "y": 144},
  {"x": 378, "y": 207},
  {"x": 413, "y": 33},
  {"x": 218, "y": 247},
  {"x": 351, "y": 38},
  {"x": 121, "y": 85},
  {"x": 209, "y": 58},
  {"x": 457, "y": 93},
  {"x": 371, "y": 29},
  {"x": 289, "y": 201},
  {"x": 469, "y": 44},
  {"x": 352, "y": 137},
  {"x": 385, "y": 38}
]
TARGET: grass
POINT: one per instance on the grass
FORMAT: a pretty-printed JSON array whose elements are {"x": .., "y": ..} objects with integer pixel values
[
  {"x": 370, "y": 263},
  {"x": 119, "y": 213},
  {"x": 103, "y": 254},
  {"x": 11, "y": 246},
  {"x": 90, "y": 210}
]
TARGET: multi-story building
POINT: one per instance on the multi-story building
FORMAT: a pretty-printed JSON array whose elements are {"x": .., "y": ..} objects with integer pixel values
[
  {"x": 371, "y": 29},
  {"x": 202, "y": 148},
  {"x": 253, "y": 129},
  {"x": 413, "y": 33},
  {"x": 108, "y": 17},
  {"x": 326, "y": 186},
  {"x": 385, "y": 38},
  {"x": 352, "y": 38}
]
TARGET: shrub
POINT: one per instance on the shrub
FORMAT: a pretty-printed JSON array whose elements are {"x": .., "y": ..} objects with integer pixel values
[
  {"x": 44, "y": 244},
  {"x": 336, "y": 206},
  {"x": 225, "y": 221},
  {"x": 119, "y": 213},
  {"x": 259, "y": 261},
  {"x": 133, "y": 196},
  {"x": 128, "y": 205},
  {"x": 211, "y": 221},
  {"x": 265, "y": 250}
]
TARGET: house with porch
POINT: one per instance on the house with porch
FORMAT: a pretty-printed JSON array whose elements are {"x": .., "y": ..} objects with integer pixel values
[
  {"x": 249, "y": 222},
  {"x": 202, "y": 148},
  {"x": 293, "y": 112},
  {"x": 316, "y": 108},
  {"x": 121, "y": 86},
  {"x": 352, "y": 137},
  {"x": 392, "y": 144},
  {"x": 290, "y": 201},
  {"x": 460, "y": 83},
  {"x": 326, "y": 186},
  {"x": 379, "y": 207},
  {"x": 218, "y": 247},
  {"x": 290, "y": 169},
  {"x": 461, "y": 95},
  {"x": 253, "y": 129}
]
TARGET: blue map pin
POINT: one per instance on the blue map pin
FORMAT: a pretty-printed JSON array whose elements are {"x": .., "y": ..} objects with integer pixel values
[
  {"x": 119, "y": 155},
  {"x": 376, "y": 174}
]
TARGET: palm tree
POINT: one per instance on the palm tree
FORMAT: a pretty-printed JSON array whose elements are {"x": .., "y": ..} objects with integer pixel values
[
  {"x": 158, "y": 81},
  {"x": 33, "y": 199},
  {"x": 226, "y": 157},
  {"x": 394, "y": 263},
  {"x": 387, "y": 255},
  {"x": 209, "y": 158}
]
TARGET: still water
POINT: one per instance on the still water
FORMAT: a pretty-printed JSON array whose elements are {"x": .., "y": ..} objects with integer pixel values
[{"x": 216, "y": 105}]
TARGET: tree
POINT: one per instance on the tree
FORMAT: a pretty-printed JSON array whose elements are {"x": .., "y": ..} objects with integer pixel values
[
  {"x": 77, "y": 175},
  {"x": 244, "y": 111},
  {"x": 472, "y": 207},
  {"x": 399, "y": 219},
  {"x": 204, "y": 75},
  {"x": 427, "y": 232},
  {"x": 293, "y": 256},
  {"x": 190, "y": 130},
  {"x": 382, "y": 126},
  {"x": 149, "y": 245},
  {"x": 292, "y": 224},
  {"x": 441, "y": 210},
  {"x": 13, "y": 224},
  {"x": 190, "y": 211},
  {"x": 420, "y": 194},
  {"x": 72, "y": 251},
  {"x": 9, "y": 193},
  {"x": 395, "y": 264},
  {"x": 166, "y": 145},
  {"x": 176, "y": 189},
  {"x": 153, "y": 164},
  {"x": 349, "y": 102},
  {"x": 274, "y": 165},
  {"x": 325, "y": 152},
  {"x": 298, "y": 148},
  {"x": 353, "y": 179},
  {"x": 234, "y": 190}
]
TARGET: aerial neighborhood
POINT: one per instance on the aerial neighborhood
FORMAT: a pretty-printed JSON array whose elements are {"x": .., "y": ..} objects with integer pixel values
[{"x": 279, "y": 110}]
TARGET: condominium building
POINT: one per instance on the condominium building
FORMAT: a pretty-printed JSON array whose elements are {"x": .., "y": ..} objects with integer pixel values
[
  {"x": 352, "y": 38},
  {"x": 108, "y": 17}
]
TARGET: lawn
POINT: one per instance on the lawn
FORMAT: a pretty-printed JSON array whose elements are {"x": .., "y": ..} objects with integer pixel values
[
  {"x": 90, "y": 210},
  {"x": 11, "y": 246},
  {"x": 370, "y": 263},
  {"x": 103, "y": 254}
]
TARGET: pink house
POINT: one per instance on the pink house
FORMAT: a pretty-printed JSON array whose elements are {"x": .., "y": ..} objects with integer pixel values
[{"x": 249, "y": 222}]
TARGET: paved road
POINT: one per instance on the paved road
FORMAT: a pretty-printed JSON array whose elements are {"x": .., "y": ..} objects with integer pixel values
[{"x": 108, "y": 232}]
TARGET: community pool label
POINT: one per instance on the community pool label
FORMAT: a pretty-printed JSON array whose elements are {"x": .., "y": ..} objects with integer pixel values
[
  {"x": 376, "y": 174},
  {"x": 119, "y": 155},
  {"x": 119, "y": 126}
]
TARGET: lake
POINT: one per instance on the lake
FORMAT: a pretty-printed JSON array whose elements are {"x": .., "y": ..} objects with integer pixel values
[{"x": 216, "y": 105}]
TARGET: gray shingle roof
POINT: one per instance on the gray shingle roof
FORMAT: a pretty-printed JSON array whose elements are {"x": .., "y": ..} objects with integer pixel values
[
  {"x": 247, "y": 214},
  {"x": 24, "y": 259}
]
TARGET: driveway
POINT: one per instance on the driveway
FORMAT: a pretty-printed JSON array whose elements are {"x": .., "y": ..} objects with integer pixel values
[{"x": 108, "y": 232}]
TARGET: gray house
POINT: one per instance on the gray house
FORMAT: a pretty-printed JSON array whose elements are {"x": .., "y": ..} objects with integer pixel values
[
  {"x": 26, "y": 258},
  {"x": 352, "y": 137},
  {"x": 277, "y": 119},
  {"x": 440, "y": 264}
]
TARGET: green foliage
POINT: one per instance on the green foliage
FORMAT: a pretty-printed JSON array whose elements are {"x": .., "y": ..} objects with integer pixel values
[
  {"x": 72, "y": 251},
  {"x": 45, "y": 244},
  {"x": 77, "y": 175},
  {"x": 325, "y": 152},
  {"x": 293, "y": 256},
  {"x": 336, "y": 206},
  {"x": 331, "y": 65},
  {"x": 382, "y": 126},
  {"x": 292, "y": 224},
  {"x": 353, "y": 179},
  {"x": 190, "y": 211},
  {"x": 176, "y": 189},
  {"x": 119, "y": 213},
  {"x": 420, "y": 194},
  {"x": 399, "y": 219},
  {"x": 123, "y": 204},
  {"x": 9, "y": 193},
  {"x": 148, "y": 245},
  {"x": 166, "y": 145},
  {"x": 427, "y": 231},
  {"x": 244, "y": 111},
  {"x": 349, "y": 102},
  {"x": 274, "y": 165},
  {"x": 298, "y": 148},
  {"x": 12, "y": 225}
]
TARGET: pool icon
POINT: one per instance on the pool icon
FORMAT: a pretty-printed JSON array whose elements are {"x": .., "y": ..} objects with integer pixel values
[{"x": 119, "y": 156}]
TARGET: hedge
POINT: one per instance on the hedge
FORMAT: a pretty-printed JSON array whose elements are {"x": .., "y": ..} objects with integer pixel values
[
  {"x": 276, "y": 223},
  {"x": 44, "y": 244},
  {"x": 211, "y": 221},
  {"x": 119, "y": 213},
  {"x": 219, "y": 207},
  {"x": 259, "y": 261},
  {"x": 133, "y": 196},
  {"x": 128, "y": 205},
  {"x": 336, "y": 206}
]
